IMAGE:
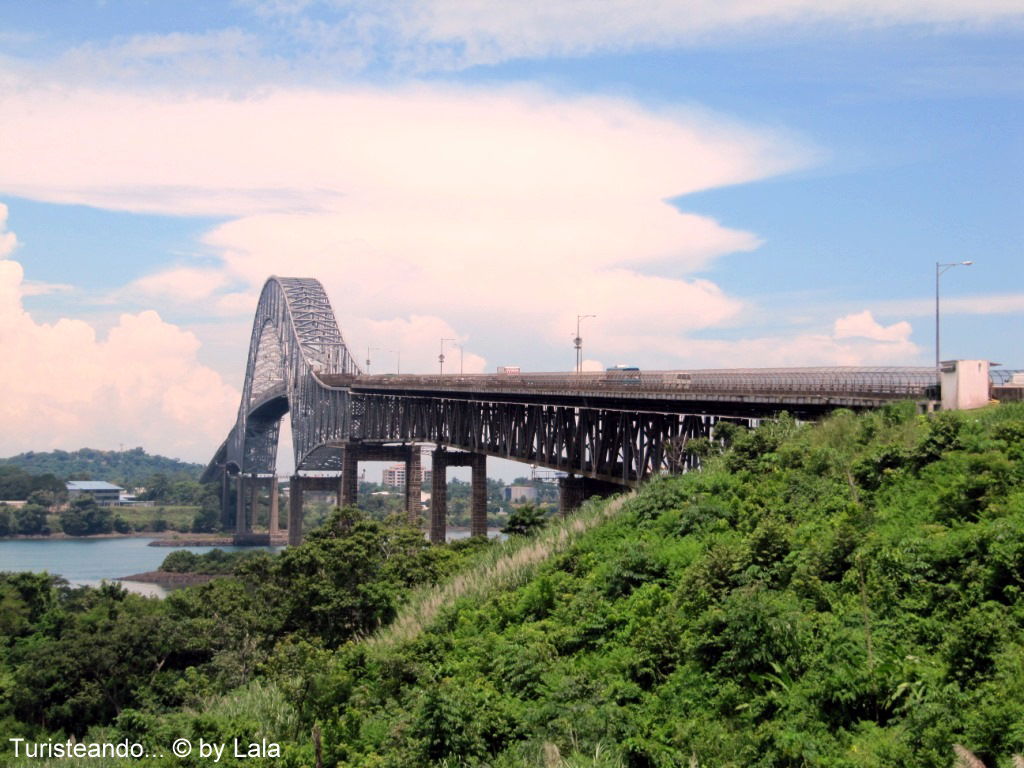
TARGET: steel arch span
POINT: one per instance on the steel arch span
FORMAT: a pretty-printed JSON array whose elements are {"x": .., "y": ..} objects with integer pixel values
[{"x": 295, "y": 340}]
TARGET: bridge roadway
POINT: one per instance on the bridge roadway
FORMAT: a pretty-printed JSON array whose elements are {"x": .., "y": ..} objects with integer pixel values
[
  {"x": 605, "y": 430},
  {"x": 737, "y": 391}
]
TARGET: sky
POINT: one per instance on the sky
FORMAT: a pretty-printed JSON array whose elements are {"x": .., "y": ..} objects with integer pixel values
[{"x": 723, "y": 184}]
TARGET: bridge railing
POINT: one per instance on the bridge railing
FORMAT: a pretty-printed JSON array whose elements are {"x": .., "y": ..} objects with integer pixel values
[
  {"x": 890, "y": 382},
  {"x": 1006, "y": 378}
]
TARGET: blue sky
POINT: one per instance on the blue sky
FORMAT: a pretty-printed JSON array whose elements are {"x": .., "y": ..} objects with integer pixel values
[{"x": 722, "y": 184}]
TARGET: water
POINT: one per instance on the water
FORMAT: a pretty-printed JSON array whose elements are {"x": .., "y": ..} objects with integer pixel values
[
  {"x": 90, "y": 561},
  {"x": 87, "y": 562}
]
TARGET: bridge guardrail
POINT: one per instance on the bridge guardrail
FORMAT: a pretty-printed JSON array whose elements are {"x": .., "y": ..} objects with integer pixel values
[{"x": 869, "y": 382}]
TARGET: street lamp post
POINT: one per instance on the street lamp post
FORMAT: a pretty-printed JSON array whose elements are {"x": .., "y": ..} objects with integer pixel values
[
  {"x": 578, "y": 342},
  {"x": 440, "y": 357},
  {"x": 461, "y": 357},
  {"x": 941, "y": 269},
  {"x": 398, "y": 360},
  {"x": 368, "y": 350}
]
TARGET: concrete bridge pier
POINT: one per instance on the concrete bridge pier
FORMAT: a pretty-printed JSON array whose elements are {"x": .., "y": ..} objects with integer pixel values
[
  {"x": 574, "y": 490},
  {"x": 409, "y": 454},
  {"x": 349, "y": 494},
  {"x": 442, "y": 459},
  {"x": 295, "y": 510},
  {"x": 413, "y": 484},
  {"x": 247, "y": 506},
  {"x": 478, "y": 495},
  {"x": 225, "y": 499},
  {"x": 241, "y": 519},
  {"x": 438, "y": 495},
  {"x": 274, "y": 524}
]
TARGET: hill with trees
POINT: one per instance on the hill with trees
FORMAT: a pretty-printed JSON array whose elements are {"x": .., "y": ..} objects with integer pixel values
[
  {"x": 846, "y": 594},
  {"x": 129, "y": 468}
]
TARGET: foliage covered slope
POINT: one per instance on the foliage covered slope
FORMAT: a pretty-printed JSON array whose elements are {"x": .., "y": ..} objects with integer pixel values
[
  {"x": 847, "y": 594},
  {"x": 843, "y": 594},
  {"x": 128, "y": 468}
]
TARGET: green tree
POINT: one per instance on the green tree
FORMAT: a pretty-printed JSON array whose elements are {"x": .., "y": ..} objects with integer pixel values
[
  {"x": 207, "y": 518},
  {"x": 30, "y": 520},
  {"x": 525, "y": 521},
  {"x": 84, "y": 517}
]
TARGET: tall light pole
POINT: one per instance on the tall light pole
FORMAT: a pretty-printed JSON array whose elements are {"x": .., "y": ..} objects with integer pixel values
[
  {"x": 440, "y": 357},
  {"x": 368, "y": 349},
  {"x": 941, "y": 269},
  {"x": 461, "y": 357},
  {"x": 398, "y": 360},
  {"x": 578, "y": 342}
]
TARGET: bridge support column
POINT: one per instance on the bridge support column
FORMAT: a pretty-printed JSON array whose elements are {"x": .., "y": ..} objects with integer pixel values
[
  {"x": 573, "y": 491},
  {"x": 478, "y": 507},
  {"x": 295, "y": 511},
  {"x": 348, "y": 496},
  {"x": 225, "y": 500},
  {"x": 254, "y": 503},
  {"x": 274, "y": 524},
  {"x": 438, "y": 495},
  {"x": 570, "y": 494},
  {"x": 240, "y": 491},
  {"x": 413, "y": 485}
]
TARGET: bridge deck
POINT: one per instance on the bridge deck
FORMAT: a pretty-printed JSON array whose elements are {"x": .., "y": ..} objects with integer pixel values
[{"x": 809, "y": 388}]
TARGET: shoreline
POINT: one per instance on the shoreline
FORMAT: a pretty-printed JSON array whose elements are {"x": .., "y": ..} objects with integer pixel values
[{"x": 160, "y": 538}]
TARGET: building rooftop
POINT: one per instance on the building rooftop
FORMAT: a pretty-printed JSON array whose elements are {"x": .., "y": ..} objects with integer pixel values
[{"x": 92, "y": 485}]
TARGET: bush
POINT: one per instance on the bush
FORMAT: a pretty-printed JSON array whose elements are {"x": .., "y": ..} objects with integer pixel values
[
  {"x": 525, "y": 521},
  {"x": 29, "y": 520},
  {"x": 84, "y": 517}
]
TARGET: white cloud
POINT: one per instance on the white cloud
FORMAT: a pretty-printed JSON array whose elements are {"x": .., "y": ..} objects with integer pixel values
[
  {"x": 183, "y": 284},
  {"x": 437, "y": 34},
  {"x": 486, "y": 33},
  {"x": 863, "y": 325},
  {"x": 37, "y": 288},
  {"x": 990, "y": 304},
  {"x": 438, "y": 152},
  {"x": 503, "y": 211},
  {"x": 8, "y": 240},
  {"x": 140, "y": 385}
]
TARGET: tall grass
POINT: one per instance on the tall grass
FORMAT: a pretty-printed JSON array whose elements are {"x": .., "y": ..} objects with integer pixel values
[{"x": 504, "y": 566}]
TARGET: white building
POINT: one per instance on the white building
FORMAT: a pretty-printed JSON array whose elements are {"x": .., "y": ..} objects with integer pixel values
[
  {"x": 104, "y": 493},
  {"x": 394, "y": 476}
]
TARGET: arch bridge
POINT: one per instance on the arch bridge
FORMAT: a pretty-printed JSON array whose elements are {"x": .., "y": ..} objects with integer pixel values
[{"x": 605, "y": 430}]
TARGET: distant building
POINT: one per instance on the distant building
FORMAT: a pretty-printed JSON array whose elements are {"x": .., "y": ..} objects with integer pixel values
[
  {"x": 104, "y": 493},
  {"x": 394, "y": 476},
  {"x": 520, "y": 494}
]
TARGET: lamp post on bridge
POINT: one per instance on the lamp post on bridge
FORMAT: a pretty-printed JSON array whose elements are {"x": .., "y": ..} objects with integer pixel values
[
  {"x": 368, "y": 350},
  {"x": 440, "y": 357},
  {"x": 941, "y": 269},
  {"x": 578, "y": 342},
  {"x": 461, "y": 356},
  {"x": 398, "y": 360}
]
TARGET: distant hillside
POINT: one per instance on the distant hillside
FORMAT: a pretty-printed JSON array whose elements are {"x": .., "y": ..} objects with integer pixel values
[{"x": 128, "y": 468}]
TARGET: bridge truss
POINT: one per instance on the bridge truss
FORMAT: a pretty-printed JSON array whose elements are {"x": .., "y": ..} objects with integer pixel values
[
  {"x": 295, "y": 339},
  {"x": 618, "y": 427}
]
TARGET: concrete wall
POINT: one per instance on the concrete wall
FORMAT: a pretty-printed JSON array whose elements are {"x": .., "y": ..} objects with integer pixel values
[{"x": 965, "y": 384}]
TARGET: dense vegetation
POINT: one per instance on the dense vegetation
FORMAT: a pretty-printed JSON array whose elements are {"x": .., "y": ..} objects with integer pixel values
[
  {"x": 16, "y": 484},
  {"x": 845, "y": 594},
  {"x": 129, "y": 468},
  {"x": 216, "y": 561},
  {"x": 74, "y": 659}
]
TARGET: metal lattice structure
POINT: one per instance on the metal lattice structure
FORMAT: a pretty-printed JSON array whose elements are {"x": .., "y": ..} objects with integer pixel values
[
  {"x": 619, "y": 426},
  {"x": 614, "y": 444},
  {"x": 295, "y": 339}
]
